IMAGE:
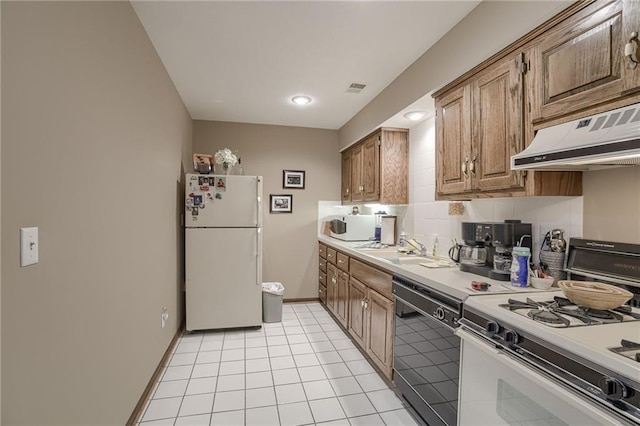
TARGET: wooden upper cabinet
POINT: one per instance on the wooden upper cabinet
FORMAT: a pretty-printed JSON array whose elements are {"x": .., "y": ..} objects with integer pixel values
[
  {"x": 394, "y": 166},
  {"x": 346, "y": 176},
  {"x": 371, "y": 169},
  {"x": 453, "y": 141},
  {"x": 480, "y": 126},
  {"x": 581, "y": 60},
  {"x": 356, "y": 174},
  {"x": 497, "y": 125},
  {"x": 375, "y": 168}
]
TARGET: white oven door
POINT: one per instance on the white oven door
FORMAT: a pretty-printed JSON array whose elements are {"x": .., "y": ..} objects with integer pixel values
[{"x": 496, "y": 389}]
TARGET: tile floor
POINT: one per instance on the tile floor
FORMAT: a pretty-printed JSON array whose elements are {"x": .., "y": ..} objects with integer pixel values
[{"x": 302, "y": 371}]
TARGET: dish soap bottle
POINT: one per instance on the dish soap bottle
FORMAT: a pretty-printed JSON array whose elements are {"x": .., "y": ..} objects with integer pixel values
[
  {"x": 434, "y": 251},
  {"x": 402, "y": 242}
]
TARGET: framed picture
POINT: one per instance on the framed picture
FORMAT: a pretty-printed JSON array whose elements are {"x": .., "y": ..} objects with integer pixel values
[
  {"x": 293, "y": 179},
  {"x": 281, "y": 203}
]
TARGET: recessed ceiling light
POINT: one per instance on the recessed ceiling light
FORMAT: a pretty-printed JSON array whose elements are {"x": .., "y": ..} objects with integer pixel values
[
  {"x": 414, "y": 115},
  {"x": 301, "y": 100}
]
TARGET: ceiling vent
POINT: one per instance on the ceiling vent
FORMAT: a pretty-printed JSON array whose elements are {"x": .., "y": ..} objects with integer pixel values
[{"x": 356, "y": 87}]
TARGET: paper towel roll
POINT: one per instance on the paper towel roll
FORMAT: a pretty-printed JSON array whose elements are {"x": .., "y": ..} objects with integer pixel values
[{"x": 388, "y": 233}]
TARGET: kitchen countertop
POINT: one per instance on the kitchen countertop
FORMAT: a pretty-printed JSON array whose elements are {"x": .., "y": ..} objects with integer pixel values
[{"x": 450, "y": 281}]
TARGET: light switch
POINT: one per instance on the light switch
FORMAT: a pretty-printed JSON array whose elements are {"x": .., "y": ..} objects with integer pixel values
[{"x": 28, "y": 246}]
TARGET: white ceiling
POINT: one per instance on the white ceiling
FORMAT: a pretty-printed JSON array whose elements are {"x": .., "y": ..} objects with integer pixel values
[{"x": 242, "y": 61}]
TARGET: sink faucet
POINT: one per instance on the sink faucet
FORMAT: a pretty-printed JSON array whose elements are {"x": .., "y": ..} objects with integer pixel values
[{"x": 415, "y": 244}]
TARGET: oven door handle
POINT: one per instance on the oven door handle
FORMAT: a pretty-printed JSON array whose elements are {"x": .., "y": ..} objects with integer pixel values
[
  {"x": 401, "y": 300},
  {"x": 465, "y": 332}
]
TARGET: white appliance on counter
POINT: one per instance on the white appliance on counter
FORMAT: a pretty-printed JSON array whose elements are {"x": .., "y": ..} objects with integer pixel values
[
  {"x": 353, "y": 227},
  {"x": 223, "y": 251}
]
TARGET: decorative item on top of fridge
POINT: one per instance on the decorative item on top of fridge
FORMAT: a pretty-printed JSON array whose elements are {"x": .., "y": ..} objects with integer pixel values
[
  {"x": 227, "y": 159},
  {"x": 202, "y": 163}
]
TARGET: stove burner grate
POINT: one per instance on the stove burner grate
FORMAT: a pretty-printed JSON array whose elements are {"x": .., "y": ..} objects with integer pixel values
[{"x": 558, "y": 312}]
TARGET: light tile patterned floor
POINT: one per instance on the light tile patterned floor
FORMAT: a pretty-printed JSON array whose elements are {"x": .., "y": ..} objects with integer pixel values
[{"x": 302, "y": 371}]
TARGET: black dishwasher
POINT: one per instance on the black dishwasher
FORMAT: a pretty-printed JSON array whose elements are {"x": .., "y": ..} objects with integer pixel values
[{"x": 426, "y": 354}]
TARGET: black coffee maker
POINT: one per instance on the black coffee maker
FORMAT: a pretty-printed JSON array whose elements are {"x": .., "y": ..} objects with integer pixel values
[{"x": 487, "y": 247}]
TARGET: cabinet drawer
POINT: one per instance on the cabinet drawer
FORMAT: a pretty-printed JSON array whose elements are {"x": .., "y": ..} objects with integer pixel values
[
  {"x": 322, "y": 294},
  {"x": 323, "y": 278},
  {"x": 322, "y": 263},
  {"x": 322, "y": 249},
  {"x": 343, "y": 261},
  {"x": 331, "y": 255},
  {"x": 372, "y": 277}
]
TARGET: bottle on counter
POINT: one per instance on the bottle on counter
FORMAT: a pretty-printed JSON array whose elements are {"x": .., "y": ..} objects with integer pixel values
[
  {"x": 378, "y": 229},
  {"x": 402, "y": 242},
  {"x": 434, "y": 250},
  {"x": 520, "y": 266}
]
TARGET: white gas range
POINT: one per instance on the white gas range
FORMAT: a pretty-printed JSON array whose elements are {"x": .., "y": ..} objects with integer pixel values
[{"x": 537, "y": 359}]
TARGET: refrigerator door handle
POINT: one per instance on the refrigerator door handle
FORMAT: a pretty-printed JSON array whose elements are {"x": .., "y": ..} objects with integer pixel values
[
  {"x": 259, "y": 258},
  {"x": 259, "y": 224}
]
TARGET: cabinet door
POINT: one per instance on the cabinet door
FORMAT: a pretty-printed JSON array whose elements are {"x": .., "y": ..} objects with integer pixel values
[
  {"x": 332, "y": 286},
  {"x": 371, "y": 169},
  {"x": 380, "y": 311},
  {"x": 356, "y": 174},
  {"x": 631, "y": 23},
  {"x": 497, "y": 122},
  {"x": 394, "y": 166},
  {"x": 453, "y": 138},
  {"x": 342, "y": 298},
  {"x": 357, "y": 294},
  {"x": 582, "y": 58},
  {"x": 346, "y": 176}
]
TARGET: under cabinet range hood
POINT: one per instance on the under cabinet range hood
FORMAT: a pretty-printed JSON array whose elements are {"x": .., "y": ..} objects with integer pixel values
[{"x": 608, "y": 139}]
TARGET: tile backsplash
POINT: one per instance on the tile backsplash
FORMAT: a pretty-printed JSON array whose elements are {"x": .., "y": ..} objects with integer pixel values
[{"x": 426, "y": 217}]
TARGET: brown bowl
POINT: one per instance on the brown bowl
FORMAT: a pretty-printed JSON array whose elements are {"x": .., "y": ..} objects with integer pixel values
[{"x": 594, "y": 295}]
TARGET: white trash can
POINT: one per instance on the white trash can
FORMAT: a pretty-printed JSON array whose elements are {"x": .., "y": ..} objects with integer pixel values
[{"x": 272, "y": 295}]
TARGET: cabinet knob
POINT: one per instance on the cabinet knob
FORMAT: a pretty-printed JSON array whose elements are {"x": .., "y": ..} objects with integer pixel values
[
  {"x": 464, "y": 168},
  {"x": 347, "y": 190},
  {"x": 340, "y": 261},
  {"x": 472, "y": 166},
  {"x": 320, "y": 291}
]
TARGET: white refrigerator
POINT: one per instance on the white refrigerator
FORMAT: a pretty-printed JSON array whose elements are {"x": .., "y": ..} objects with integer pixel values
[{"x": 223, "y": 251}]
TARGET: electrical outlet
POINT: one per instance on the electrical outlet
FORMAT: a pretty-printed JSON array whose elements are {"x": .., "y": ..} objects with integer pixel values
[{"x": 164, "y": 316}]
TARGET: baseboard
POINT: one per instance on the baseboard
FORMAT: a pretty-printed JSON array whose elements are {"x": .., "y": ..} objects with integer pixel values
[
  {"x": 302, "y": 300},
  {"x": 137, "y": 411}
]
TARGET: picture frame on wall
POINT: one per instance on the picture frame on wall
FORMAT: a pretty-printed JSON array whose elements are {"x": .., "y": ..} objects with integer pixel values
[
  {"x": 293, "y": 179},
  {"x": 281, "y": 203}
]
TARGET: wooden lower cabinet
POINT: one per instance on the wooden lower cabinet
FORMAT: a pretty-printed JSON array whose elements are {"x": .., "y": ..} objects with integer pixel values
[
  {"x": 332, "y": 286},
  {"x": 357, "y": 294},
  {"x": 379, "y": 342},
  {"x": 371, "y": 324},
  {"x": 360, "y": 300},
  {"x": 341, "y": 307},
  {"x": 322, "y": 294}
]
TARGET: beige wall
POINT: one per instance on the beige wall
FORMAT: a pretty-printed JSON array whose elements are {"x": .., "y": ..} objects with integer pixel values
[
  {"x": 612, "y": 205},
  {"x": 290, "y": 240},
  {"x": 490, "y": 27},
  {"x": 94, "y": 141}
]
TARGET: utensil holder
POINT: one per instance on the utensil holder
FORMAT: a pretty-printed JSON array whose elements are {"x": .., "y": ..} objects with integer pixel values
[{"x": 555, "y": 264}]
